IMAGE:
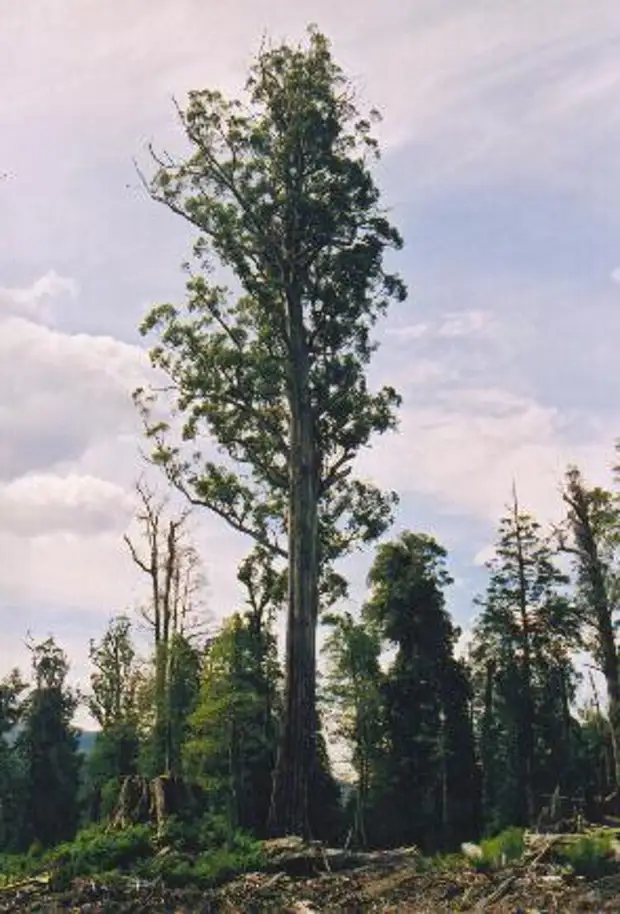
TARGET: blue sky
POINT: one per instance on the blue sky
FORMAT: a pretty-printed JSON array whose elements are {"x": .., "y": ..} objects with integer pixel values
[{"x": 501, "y": 133}]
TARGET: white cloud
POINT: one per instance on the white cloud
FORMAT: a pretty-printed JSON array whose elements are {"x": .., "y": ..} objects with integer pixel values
[
  {"x": 465, "y": 448},
  {"x": 50, "y": 285},
  {"x": 483, "y": 84},
  {"x": 409, "y": 332},
  {"x": 69, "y": 456},
  {"x": 421, "y": 373},
  {"x": 476, "y": 323},
  {"x": 68, "y": 570},
  {"x": 468, "y": 323},
  {"x": 60, "y": 392},
  {"x": 41, "y": 504},
  {"x": 62, "y": 396}
]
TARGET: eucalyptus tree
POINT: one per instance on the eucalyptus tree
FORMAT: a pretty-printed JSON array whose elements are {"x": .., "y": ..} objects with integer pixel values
[{"x": 272, "y": 367}]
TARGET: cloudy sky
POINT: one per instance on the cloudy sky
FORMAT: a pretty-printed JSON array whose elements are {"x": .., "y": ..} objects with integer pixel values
[{"x": 501, "y": 139}]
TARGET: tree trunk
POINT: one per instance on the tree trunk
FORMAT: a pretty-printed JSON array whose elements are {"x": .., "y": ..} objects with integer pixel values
[
  {"x": 607, "y": 643},
  {"x": 594, "y": 572},
  {"x": 289, "y": 808},
  {"x": 489, "y": 790},
  {"x": 611, "y": 673},
  {"x": 527, "y": 727}
]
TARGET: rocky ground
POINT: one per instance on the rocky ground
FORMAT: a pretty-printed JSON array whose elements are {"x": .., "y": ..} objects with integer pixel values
[{"x": 306, "y": 879}]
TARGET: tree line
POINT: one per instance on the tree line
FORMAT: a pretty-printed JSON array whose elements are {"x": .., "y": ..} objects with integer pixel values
[
  {"x": 261, "y": 407},
  {"x": 443, "y": 745}
]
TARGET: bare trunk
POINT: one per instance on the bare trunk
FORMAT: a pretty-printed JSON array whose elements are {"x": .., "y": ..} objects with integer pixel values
[
  {"x": 297, "y": 749},
  {"x": 609, "y": 658},
  {"x": 296, "y": 756},
  {"x": 610, "y": 670}
]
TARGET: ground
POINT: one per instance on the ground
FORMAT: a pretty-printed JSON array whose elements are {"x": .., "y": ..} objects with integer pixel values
[{"x": 305, "y": 880}]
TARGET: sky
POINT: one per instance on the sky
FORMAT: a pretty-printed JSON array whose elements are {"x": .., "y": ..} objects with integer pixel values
[{"x": 500, "y": 137}]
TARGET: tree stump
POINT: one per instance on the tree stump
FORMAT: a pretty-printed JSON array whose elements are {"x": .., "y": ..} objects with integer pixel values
[
  {"x": 133, "y": 807},
  {"x": 151, "y": 802}
]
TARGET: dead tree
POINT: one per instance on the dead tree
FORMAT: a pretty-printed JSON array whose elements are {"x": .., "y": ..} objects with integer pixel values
[{"x": 172, "y": 563}]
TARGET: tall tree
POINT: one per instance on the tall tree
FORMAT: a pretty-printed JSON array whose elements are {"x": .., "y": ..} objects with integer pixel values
[
  {"x": 48, "y": 745},
  {"x": 521, "y": 645},
  {"x": 280, "y": 191},
  {"x": 593, "y": 539},
  {"x": 427, "y": 772}
]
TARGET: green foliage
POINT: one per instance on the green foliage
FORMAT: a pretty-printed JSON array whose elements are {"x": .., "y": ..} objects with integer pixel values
[
  {"x": 523, "y": 674},
  {"x": 101, "y": 851},
  {"x": 591, "y": 536},
  {"x": 98, "y": 849},
  {"x": 325, "y": 809},
  {"x": 115, "y": 678},
  {"x": 353, "y": 695},
  {"x": 254, "y": 173},
  {"x": 591, "y": 856},
  {"x": 220, "y": 857},
  {"x": 178, "y": 662},
  {"x": 423, "y": 769},
  {"x": 441, "y": 863},
  {"x": 114, "y": 754},
  {"x": 12, "y": 798},
  {"x": 47, "y": 747},
  {"x": 231, "y": 746},
  {"x": 94, "y": 851},
  {"x": 505, "y": 848}
]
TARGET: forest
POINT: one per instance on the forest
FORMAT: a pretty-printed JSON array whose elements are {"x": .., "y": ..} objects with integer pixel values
[{"x": 217, "y": 738}]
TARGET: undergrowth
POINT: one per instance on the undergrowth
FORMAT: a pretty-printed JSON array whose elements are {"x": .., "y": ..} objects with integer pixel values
[
  {"x": 591, "y": 856},
  {"x": 500, "y": 850},
  {"x": 202, "y": 856}
]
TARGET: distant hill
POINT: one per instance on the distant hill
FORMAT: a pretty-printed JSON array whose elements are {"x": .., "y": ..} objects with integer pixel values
[{"x": 87, "y": 741}]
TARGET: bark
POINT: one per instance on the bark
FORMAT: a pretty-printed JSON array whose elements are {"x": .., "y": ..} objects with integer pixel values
[
  {"x": 289, "y": 808},
  {"x": 609, "y": 657},
  {"x": 152, "y": 802}
]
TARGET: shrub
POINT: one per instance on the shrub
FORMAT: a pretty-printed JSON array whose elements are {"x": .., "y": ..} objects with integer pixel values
[
  {"x": 98, "y": 850},
  {"x": 101, "y": 851},
  {"x": 500, "y": 850},
  {"x": 179, "y": 869},
  {"x": 591, "y": 855},
  {"x": 110, "y": 792}
]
